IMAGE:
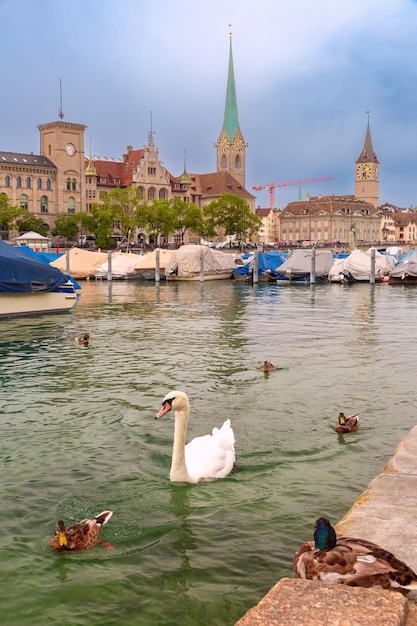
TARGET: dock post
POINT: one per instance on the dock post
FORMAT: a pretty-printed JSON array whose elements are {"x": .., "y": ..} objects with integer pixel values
[
  {"x": 255, "y": 276},
  {"x": 201, "y": 264},
  {"x": 313, "y": 266},
  {"x": 109, "y": 268},
  {"x": 157, "y": 266},
  {"x": 67, "y": 262},
  {"x": 372, "y": 273}
]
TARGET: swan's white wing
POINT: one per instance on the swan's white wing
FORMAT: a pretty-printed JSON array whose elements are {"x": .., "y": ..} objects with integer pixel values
[{"x": 211, "y": 456}]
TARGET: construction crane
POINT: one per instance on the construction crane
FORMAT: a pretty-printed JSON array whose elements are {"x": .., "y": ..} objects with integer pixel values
[{"x": 286, "y": 183}]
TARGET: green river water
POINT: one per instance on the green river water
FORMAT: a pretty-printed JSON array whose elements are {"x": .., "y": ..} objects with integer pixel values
[{"x": 78, "y": 436}]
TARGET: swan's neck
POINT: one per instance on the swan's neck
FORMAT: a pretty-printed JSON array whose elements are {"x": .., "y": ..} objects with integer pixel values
[{"x": 179, "y": 471}]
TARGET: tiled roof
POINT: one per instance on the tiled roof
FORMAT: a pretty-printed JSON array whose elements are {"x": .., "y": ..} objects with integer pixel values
[
  {"x": 330, "y": 204},
  {"x": 404, "y": 219},
  {"x": 16, "y": 158},
  {"x": 217, "y": 184}
]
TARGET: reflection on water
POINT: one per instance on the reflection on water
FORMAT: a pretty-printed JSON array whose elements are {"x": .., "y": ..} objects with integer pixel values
[{"x": 78, "y": 436}]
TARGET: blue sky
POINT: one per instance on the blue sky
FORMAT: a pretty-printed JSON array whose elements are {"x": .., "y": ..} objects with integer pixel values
[{"x": 306, "y": 75}]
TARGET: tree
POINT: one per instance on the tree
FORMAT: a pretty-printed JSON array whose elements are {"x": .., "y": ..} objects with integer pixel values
[
  {"x": 8, "y": 213},
  {"x": 100, "y": 222},
  {"x": 187, "y": 217},
  {"x": 122, "y": 203},
  {"x": 233, "y": 215},
  {"x": 27, "y": 221},
  {"x": 158, "y": 218},
  {"x": 66, "y": 225}
]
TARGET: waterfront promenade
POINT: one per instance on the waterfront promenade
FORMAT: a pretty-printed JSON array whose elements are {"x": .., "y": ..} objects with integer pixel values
[{"x": 386, "y": 514}]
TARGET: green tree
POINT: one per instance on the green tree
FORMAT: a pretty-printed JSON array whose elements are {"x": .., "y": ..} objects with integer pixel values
[
  {"x": 233, "y": 215},
  {"x": 66, "y": 225},
  {"x": 8, "y": 213},
  {"x": 158, "y": 218},
  {"x": 100, "y": 223},
  {"x": 27, "y": 221},
  {"x": 122, "y": 204},
  {"x": 187, "y": 217}
]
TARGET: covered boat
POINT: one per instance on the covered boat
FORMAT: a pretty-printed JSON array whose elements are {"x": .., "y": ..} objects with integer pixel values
[
  {"x": 268, "y": 263},
  {"x": 123, "y": 267},
  {"x": 147, "y": 264},
  {"x": 405, "y": 271},
  {"x": 356, "y": 267},
  {"x": 299, "y": 265},
  {"x": 185, "y": 264},
  {"x": 31, "y": 287},
  {"x": 82, "y": 263}
]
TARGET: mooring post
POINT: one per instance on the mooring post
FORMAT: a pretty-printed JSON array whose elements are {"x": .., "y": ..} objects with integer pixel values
[
  {"x": 201, "y": 264},
  {"x": 255, "y": 277},
  {"x": 372, "y": 273},
  {"x": 109, "y": 268},
  {"x": 313, "y": 266},
  {"x": 157, "y": 266}
]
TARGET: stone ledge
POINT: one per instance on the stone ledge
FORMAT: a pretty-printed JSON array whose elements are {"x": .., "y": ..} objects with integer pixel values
[{"x": 297, "y": 602}]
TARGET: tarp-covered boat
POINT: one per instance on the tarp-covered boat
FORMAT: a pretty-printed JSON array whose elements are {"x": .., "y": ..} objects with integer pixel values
[
  {"x": 82, "y": 263},
  {"x": 405, "y": 271},
  {"x": 31, "y": 287},
  {"x": 123, "y": 267},
  {"x": 356, "y": 267},
  {"x": 268, "y": 263},
  {"x": 147, "y": 264},
  {"x": 299, "y": 265},
  {"x": 185, "y": 264}
]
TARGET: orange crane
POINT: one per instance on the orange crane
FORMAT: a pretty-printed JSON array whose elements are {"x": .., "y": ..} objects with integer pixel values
[{"x": 286, "y": 183}]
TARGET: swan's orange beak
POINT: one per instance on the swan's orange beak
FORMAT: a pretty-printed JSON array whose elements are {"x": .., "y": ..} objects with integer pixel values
[{"x": 166, "y": 407}]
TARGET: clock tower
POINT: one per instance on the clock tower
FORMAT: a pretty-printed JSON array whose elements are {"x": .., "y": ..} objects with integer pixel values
[
  {"x": 367, "y": 172},
  {"x": 63, "y": 143},
  {"x": 231, "y": 146}
]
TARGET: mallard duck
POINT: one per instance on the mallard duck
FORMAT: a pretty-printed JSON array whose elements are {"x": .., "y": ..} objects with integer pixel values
[
  {"x": 347, "y": 424},
  {"x": 267, "y": 366},
  {"x": 83, "y": 339},
  {"x": 348, "y": 561},
  {"x": 80, "y": 536}
]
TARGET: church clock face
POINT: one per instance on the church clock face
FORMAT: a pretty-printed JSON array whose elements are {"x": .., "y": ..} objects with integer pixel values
[
  {"x": 238, "y": 144},
  {"x": 363, "y": 171},
  {"x": 70, "y": 149},
  {"x": 223, "y": 143}
]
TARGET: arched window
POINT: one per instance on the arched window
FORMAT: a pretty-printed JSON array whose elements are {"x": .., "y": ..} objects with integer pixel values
[
  {"x": 49, "y": 149},
  {"x": 71, "y": 206},
  {"x": 39, "y": 183},
  {"x": 18, "y": 182},
  {"x": 44, "y": 204},
  {"x": 151, "y": 193},
  {"x": 49, "y": 184},
  {"x": 237, "y": 162},
  {"x": 24, "y": 201},
  {"x": 141, "y": 193},
  {"x": 163, "y": 194},
  {"x": 68, "y": 184},
  {"x": 223, "y": 164},
  {"x": 74, "y": 185},
  {"x": 28, "y": 183},
  {"x": 7, "y": 181}
]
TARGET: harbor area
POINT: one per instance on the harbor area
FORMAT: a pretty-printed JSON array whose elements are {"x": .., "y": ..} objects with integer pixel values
[{"x": 385, "y": 514}]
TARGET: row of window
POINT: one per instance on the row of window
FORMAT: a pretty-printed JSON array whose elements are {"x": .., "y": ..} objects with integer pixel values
[
  {"x": 43, "y": 204},
  {"x": 19, "y": 183}
]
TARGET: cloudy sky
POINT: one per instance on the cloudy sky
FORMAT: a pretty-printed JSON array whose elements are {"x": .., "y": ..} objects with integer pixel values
[{"x": 306, "y": 75}]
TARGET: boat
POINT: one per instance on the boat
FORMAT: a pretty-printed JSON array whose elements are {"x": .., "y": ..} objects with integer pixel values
[
  {"x": 268, "y": 263},
  {"x": 147, "y": 264},
  {"x": 405, "y": 271},
  {"x": 81, "y": 263},
  {"x": 185, "y": 264},
  {"x": 298, "y": 267},
  {"x": 123, "y": 267},
  {"x": 31, "y": 287},
  {"x": 356, "y": 267}
]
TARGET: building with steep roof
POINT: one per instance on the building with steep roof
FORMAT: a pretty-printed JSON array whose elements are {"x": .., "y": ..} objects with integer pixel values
[{"x": 367, "y": 172}]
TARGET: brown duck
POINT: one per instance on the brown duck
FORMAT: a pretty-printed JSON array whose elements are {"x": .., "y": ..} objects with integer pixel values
[
  {"x": 80, "y": 536},
  {"x": 349, "y": 561},
  {"x": 347, "y": 424}
]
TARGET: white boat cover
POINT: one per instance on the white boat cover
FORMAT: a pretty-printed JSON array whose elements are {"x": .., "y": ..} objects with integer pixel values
[
  {"x": 407, "y": 267},
  {"x": 122, "y": 266},
  {"x": 185, "y": 262},
  {"x": 82, "y": 263},
  {"x": 299, "y": 263},
  {"x": 358, "y": 265}
]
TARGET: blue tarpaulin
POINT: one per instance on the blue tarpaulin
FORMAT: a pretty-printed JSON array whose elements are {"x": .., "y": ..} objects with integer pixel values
[{"x": 19, "y": 273}]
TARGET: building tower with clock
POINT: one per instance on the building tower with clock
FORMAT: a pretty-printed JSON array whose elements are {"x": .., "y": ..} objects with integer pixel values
[
  {"x": 231, "y": 146},
  {"x": 367, "y": 172}
]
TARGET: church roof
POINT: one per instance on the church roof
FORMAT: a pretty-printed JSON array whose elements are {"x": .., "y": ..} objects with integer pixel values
[
  {"x": 231, "y": 118},
  {"x": 217, "y": 184},
  {"x": 367, "y": 155}
]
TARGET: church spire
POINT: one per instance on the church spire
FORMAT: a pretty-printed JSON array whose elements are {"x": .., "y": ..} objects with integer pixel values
[
  {"x": 367, "y": 155},
  {"x": 231, "y": 118}
]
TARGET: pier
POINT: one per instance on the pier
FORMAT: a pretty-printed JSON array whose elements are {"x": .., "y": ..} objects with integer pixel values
[{"x": 386, "y": 514}]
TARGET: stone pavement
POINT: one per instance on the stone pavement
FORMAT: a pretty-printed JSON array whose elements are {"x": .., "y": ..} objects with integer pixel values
[{"x": 386, "y": 513}]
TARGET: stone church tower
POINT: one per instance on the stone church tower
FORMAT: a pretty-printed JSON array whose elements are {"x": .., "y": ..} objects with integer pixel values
[
  {"x": 367, "y": 173},
  {"x": 231, "y": 146}
]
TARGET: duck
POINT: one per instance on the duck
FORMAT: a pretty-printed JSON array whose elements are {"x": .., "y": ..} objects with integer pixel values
[
  {"x": 267, "y": 366},
  {"x": 347, "y": 424},
  {"x": 204, "y": 458},
  {"x": 83, "y": 339},
  {"x": 81, "y": 536},
  {"x": 353, "y": 562}
]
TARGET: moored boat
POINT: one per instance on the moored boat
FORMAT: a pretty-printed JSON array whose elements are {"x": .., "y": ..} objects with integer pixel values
[
  {"x": 31, "y": 287},
  {"x": 297, "y": 269},
  {"x": 405, "y": 271},
  {"x": 186, "y": 264}
]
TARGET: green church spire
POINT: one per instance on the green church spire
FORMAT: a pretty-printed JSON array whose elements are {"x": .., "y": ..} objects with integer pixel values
[{"x": 231, "y": 118}]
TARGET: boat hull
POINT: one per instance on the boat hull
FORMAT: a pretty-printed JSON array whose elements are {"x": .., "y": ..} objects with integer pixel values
[
  {"x": 196, "y": 277},
  {"x": 39, "y": 303}
]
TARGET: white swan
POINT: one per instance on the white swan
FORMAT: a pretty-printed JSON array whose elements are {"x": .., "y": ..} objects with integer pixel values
[{"x": 208, "y": 457}]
